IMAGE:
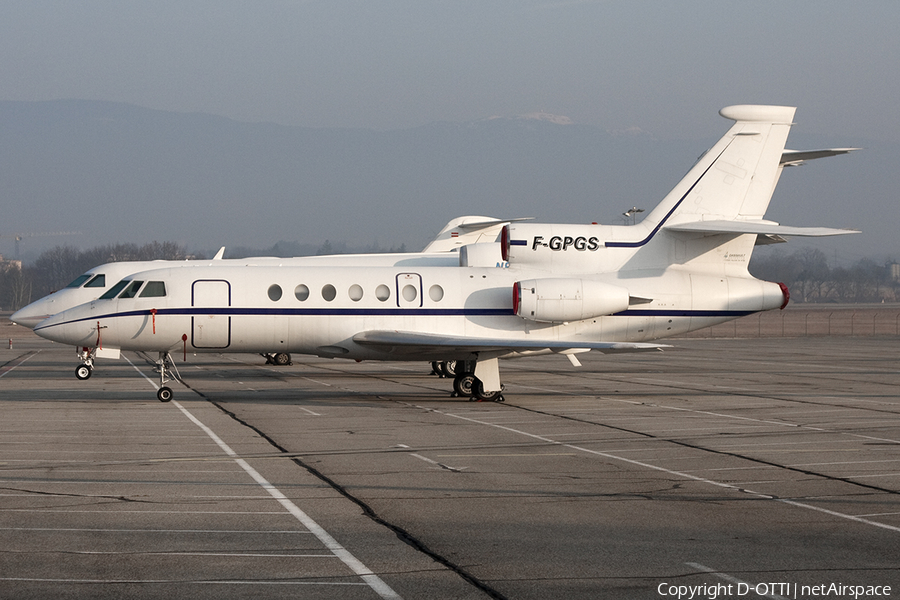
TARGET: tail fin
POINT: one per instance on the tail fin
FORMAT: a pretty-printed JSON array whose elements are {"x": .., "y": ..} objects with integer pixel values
[{"x": 735, "y": 179}]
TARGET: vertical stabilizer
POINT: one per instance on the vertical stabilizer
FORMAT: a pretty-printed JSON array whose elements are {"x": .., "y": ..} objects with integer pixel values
[{"x": 735, "y": 179}]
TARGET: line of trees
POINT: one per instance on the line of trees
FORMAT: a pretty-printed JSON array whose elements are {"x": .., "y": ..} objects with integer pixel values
[
  {"x": 57, "y": 267},
  {"x": 810, "y": 279}
]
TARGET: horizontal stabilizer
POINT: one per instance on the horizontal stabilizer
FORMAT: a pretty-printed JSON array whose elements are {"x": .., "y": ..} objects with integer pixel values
[
  {"x": 470, "y": 229},
  {"x": 794, "y": 158},
  {"x": 757, "y": 227},
  {"x": 407, "y": 342}
]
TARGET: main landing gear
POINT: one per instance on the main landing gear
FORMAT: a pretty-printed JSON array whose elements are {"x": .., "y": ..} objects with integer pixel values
[
  {"x": 84, "y": 370},
  {"x": 443, "y": 368},
  {"x": 163, "y": 366},
  {"x": 282, "y": 359},
  {"x": 465, "y": 384}
]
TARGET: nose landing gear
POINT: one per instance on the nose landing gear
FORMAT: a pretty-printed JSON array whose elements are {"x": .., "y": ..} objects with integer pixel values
[
  {"x": 163, "y": 366},
  {"x": 84, "y": 370}
]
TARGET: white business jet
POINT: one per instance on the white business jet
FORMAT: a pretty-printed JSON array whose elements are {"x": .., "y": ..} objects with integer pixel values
[
  {"x": 568, "y": 289},
  {"x": 94, "y": 282},
  {"x": 461, "y": 232}
]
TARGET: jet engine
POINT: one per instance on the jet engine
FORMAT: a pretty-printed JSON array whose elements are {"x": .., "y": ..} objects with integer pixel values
[{"x": 561, "y": 300}]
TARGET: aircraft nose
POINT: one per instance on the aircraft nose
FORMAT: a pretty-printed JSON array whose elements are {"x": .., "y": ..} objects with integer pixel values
[
  {"x": 29, "y": 316},
  {"x": 71, "y": 327}
]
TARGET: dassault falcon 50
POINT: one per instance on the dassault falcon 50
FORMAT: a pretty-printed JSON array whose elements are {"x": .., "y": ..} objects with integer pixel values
[
  {"x": 568, "y": 288},
  {"x": 461, "y": 232}
]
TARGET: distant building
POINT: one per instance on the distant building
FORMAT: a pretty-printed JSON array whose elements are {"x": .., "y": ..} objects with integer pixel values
[
  {"x": 895, "y": 272},
  {"x": 8, "y": 265}
]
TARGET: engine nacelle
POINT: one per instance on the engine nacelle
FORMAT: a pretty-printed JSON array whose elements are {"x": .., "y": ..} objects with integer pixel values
[{"x": 561, "y": 300}]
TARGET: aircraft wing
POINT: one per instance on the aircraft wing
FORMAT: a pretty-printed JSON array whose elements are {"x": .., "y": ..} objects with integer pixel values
[
  {"x": 757, "y": 227},
  {"x": 407, "y": 342}
]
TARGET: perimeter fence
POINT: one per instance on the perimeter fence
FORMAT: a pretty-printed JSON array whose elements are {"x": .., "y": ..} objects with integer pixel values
[{"x": 811, "y": 320}]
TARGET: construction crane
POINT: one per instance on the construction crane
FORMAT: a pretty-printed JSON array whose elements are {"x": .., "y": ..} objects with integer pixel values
[{"x": 20, "y": 236}]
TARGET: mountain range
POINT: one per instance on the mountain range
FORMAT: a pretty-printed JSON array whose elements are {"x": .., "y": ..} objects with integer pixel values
[{"x": 121, "y": 173}]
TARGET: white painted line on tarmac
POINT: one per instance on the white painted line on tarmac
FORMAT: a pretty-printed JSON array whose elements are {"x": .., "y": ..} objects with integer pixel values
[
  {"x": 732, "y": 579},
  {"x": 18, "y": 364},
  {"x": 355, "y": 565},
  {"x": 669, "y": 471}
]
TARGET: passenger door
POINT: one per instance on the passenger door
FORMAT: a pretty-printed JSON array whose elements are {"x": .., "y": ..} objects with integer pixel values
[{"x": 211, "y": 329}]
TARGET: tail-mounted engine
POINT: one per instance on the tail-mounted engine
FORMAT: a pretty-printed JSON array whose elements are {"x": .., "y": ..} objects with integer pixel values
[{"x": 562, "y": 300}]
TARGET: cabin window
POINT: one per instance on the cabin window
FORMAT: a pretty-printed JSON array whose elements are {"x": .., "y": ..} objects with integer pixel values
[
  {"x": 436, "y": 293},
  {"x": 355, "y": 292},
  {"x": 301, "y": 292},
  {"x": 79, "y": 280},
  {"x": 132, "y": 290},
  {"x": 410, "y": 293},
  {"x": 382, "y": 292},
  {"x": 274, "y": 292},
  {"x": 328, "y": 292},
  {"x": 98, "y": 281},
  {"x": 154, "y": 289},
  {"x": 115, "y": 290}
]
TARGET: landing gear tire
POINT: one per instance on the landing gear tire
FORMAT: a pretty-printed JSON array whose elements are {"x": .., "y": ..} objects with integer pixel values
[
  {"x": 83, "y": 372},
  {"x": 449, "y": 368},
  {"x": 463, "y": 385},
  {"x": 483, "y": 396},
  {"x": 164, "y": 394},
  {"x": 282, "y": 359}
]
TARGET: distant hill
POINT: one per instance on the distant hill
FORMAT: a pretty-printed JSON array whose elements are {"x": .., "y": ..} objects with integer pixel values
[{"x": 121, "y": 173}]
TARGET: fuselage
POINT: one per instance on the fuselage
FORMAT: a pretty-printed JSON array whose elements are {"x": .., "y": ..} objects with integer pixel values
[
  {"x": 96, "y": 281},
  {"x": 319, "y": 310}
]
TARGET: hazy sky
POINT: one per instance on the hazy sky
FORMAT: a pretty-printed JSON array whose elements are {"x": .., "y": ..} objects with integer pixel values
[{"x": 663, "y": 66}]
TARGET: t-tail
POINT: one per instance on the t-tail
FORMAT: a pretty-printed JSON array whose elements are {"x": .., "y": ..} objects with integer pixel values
[{"x": 708, "y": 223}]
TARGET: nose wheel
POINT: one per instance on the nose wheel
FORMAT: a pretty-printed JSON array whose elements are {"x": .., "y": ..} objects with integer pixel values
[
  {"x": 164, "y": 366},
  {"x": 83, "y": 372}
]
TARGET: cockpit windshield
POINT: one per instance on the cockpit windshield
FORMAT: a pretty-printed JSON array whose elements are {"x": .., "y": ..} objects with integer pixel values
[
  {"x": 132, "y": 290},
  {"x": 98, "y": 281},
  {"x": 76, "y": 283},
  {"x": 114, "y": 290}
]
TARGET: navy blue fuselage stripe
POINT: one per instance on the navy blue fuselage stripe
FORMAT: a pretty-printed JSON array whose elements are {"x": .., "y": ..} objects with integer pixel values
[
  {"x": 387, "y": 312},
  {"x": 656, "y": 229},
  {"x": 518, "y": 242}
]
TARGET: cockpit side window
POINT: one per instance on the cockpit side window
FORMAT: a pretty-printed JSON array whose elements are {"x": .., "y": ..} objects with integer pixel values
[
  {"x": 154, "y": 289},
  {"x": 98, "y": 281},
  {"x": 79, "y": 280},
  {"x": 114, "y": 290},
  {"x": 132, "y": 290}
]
